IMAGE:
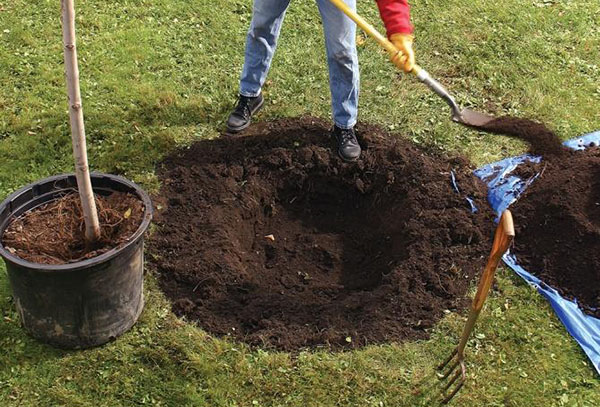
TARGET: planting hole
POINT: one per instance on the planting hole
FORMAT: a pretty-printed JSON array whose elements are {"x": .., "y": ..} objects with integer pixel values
[{"x": 272, "y": 239}]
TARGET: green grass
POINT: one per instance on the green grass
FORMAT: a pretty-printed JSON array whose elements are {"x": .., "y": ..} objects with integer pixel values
[{"x": 160, "y": 74}]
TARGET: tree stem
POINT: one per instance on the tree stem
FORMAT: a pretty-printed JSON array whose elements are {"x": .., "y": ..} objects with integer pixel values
[{"x": 82, "y": 172}]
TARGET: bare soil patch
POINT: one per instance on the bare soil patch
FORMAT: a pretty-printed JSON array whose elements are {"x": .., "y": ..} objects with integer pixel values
[{"x": 271, "y": 239}]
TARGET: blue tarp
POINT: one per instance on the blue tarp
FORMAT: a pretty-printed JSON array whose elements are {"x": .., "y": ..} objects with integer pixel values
[{"x": 504, "y": 189}]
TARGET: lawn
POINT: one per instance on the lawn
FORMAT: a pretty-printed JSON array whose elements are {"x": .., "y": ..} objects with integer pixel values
[{"x": 160, "y": 74}]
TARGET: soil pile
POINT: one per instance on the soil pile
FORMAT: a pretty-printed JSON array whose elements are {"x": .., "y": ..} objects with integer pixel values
[
  {"x": 54, "y": 233},
  {"x": 272, "y": 239},
  {"x": 557, "y": 224},
  {"x": 557, "y": 220}
]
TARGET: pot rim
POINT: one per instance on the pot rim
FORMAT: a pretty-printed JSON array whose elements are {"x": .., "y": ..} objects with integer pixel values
[{"x": 87, "y": 263}]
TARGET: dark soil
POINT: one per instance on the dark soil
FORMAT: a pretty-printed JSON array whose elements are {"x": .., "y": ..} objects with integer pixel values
[
  {"x": 557, "y": 224},
  {"x": 557, "y": 219},
  {"x": 528, "y": 170},
  {"x": 273, "y": 240},
  {"x": 54, "y": 233}
]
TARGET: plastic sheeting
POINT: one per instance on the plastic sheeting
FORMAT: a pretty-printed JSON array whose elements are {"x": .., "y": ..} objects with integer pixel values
[
  {"x": 469, "y": 200},
  {"x": 504, "y": 189}
]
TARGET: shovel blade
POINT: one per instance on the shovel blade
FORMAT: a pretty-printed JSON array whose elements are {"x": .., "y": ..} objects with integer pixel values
[{"x": 472, "y": 118}]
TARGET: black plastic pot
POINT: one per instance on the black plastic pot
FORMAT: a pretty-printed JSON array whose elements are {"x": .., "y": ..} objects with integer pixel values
[{"x": 83, "y": 304}]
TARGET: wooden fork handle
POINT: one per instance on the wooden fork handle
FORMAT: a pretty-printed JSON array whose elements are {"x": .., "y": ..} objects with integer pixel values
[{"x": 503, "y": 237}]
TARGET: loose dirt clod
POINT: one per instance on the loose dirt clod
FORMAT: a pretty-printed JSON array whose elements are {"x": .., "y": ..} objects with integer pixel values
[
  {"x": 373, "y": 251},
  {"x": 54, "y": 233}
]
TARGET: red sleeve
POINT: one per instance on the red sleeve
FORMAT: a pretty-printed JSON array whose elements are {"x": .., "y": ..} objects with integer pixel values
[{"x": 396, "y": 16}]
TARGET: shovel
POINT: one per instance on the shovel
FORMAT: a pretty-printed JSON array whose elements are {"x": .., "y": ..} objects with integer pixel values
[
  {"x": 467, "y": 117},
  {"x": 453, "y": 369}
]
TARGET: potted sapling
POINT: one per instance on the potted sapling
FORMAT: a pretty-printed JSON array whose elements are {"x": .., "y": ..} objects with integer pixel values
[{"x": 73, "y": 243}]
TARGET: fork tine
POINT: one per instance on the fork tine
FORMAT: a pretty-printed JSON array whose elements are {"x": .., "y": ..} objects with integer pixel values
[
  {"x": 448, "y": 359},
  {"x": 456, "y": 377},
  {"x": 451, "y": 395},
  {"x": 450, "y": 370},
  {"x": 453, "y": 379}
]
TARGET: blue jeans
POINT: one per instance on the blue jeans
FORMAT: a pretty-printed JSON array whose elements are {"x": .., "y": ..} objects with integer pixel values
[{"x": 340, "y": 42}]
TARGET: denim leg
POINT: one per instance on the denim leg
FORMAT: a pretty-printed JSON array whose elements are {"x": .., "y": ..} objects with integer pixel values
[
  {"x": 340, "y": 41},
  {"x": 267, "y": 16}
]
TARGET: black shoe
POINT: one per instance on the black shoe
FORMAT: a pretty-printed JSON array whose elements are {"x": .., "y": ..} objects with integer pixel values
[
  {"x": 348, "y": 147},
  {"x": 239, "y": 119}
]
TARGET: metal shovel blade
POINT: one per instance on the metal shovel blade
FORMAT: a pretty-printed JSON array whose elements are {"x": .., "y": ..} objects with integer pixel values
[
  {"x": 472, "y": 118},
  {"x": 467, "y": 117}
]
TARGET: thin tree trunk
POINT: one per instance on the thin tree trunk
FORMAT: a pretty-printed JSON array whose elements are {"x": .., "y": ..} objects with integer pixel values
[{"x": 84, "y": 183}]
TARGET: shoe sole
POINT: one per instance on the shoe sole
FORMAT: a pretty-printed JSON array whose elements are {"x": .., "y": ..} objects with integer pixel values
[
  {"x": 347, "y": 160},
  {"x": 235, "y": 130}
]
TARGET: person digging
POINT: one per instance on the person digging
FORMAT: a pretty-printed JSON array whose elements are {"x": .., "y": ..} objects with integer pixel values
[{"x": 340, "y": 42}]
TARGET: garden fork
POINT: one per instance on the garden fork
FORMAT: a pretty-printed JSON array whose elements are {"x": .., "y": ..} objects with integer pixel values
[{"x": 453, "y": 369}]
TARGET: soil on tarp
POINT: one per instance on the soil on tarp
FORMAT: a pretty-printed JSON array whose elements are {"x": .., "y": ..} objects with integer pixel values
[
  {"x": 557, "y": 223},
  {"x": 557, "y": 219},
  {"x": 271, "y": 239},
  {"x": 54, "y": 233}
]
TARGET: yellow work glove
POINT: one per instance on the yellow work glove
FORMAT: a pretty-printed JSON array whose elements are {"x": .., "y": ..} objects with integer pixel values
[{"x": 405, "y": 59}]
